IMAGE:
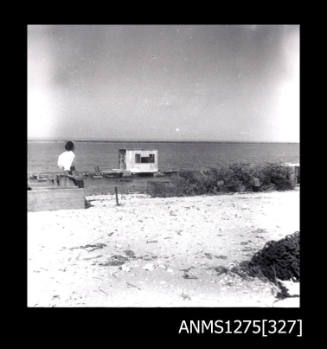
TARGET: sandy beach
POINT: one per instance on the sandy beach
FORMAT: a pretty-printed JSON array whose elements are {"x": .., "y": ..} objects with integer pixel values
[{"x": 157, "y": 252}]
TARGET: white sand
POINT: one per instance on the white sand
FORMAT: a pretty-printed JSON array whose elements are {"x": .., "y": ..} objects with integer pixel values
[{"x": 166, "y": 235}]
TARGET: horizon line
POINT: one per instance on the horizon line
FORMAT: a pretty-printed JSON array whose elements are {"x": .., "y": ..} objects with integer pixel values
[{"x": 153, "y": 141}]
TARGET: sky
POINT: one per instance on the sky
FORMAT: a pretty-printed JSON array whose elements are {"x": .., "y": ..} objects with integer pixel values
[{"x": 164, "y": 82}]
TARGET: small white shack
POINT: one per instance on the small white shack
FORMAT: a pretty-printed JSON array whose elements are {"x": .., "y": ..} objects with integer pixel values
[{"x": 138, "y": 160}]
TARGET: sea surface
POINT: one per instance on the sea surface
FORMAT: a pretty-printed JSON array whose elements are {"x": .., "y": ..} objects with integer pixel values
[{"x": 42, "y": 156}]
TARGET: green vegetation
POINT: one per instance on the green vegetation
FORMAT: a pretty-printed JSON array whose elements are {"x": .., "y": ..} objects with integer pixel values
[{"x": 237, "y": 177}]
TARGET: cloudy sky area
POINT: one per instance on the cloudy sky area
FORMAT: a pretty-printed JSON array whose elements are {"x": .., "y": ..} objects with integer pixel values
[{"x": 197, "y": 83}]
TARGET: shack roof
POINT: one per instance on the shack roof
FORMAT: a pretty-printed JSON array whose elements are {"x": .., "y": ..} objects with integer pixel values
[{"x": 137, "y": 149}]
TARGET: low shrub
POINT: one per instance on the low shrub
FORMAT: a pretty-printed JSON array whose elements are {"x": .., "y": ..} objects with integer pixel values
[{"x": 281, "y": 176}]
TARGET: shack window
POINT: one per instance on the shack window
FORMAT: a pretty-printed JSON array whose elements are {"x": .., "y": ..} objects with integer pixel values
[
  {"x": 151, "y": 158},
  {"x": 147, "y": 159},
  {"x": 137, "y": 158}
]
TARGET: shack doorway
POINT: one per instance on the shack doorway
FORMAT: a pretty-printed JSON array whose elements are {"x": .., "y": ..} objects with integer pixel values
[{"x": 122, "y": 159}]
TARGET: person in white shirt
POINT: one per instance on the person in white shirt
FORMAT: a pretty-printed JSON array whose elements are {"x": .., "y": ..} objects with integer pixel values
[{"x": 66, "y": 159}]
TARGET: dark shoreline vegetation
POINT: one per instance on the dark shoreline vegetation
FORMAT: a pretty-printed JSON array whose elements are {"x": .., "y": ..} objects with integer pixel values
[{"x": 237, "y": 177}]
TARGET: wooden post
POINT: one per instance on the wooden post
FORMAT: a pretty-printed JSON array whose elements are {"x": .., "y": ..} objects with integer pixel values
[{"x": 116, "y": 192}]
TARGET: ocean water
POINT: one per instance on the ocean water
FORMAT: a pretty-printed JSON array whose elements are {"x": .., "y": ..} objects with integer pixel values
[{"x": 42, "y": 156}]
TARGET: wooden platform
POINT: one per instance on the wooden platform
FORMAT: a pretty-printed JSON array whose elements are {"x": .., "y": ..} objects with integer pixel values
[
  {"x": 56, "y": 192},
  {"x": 52, "y": 198}
]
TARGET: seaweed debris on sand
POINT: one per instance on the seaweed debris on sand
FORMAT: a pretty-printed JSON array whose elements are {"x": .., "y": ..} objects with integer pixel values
[{"x": 277, "y": 261}]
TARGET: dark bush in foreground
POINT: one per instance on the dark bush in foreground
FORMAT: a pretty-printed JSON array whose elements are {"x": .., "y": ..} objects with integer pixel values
[
  {"x": 277, "y": 260},
  {"x": 237, "y": 177}
]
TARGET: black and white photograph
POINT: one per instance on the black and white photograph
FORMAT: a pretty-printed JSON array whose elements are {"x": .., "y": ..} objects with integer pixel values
[{"x": 163, "y": 166}]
